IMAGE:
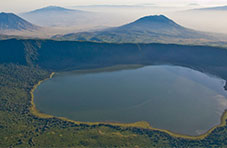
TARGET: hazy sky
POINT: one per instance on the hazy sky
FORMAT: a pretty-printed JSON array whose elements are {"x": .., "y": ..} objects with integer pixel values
[{"x": 25, "y": 5}]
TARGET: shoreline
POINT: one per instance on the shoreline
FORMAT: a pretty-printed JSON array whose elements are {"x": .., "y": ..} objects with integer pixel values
[
  {"x": 33, "y": 108},
  {"x": 140, "y": 124}
]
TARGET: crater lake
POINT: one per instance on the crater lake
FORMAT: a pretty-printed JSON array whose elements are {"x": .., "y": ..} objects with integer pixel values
[{"x": 178, "y": 99}]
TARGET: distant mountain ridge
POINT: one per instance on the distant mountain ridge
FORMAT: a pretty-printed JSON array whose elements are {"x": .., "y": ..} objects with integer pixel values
[
  {"x": 156, "y": 28},
  {"x": 219, "y": 8},
  {"x": 52, "y": 9},
  {"x": 12, "y": 22},
  {"x": 54, "y": 16},
  {"x": 149, "y": 20},
  {"x": 155, "y": 24}
]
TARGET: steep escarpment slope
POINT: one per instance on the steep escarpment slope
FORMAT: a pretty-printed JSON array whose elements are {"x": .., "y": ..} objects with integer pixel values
[{"x": 69, "y": 55}]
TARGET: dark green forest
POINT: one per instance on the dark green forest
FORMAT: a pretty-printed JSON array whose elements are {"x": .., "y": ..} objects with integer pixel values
[{"x": 23, "y": 63}]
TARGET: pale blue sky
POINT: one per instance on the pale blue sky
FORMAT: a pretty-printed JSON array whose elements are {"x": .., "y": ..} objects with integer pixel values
[{"x": 26, "y": 5}]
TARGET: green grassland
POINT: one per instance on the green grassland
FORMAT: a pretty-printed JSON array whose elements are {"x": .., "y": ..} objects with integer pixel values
[{"x": 19, "y": 127}]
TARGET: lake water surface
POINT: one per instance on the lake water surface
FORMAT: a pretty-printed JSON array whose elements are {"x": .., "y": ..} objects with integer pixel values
[{"x": 175, "y": 98}]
